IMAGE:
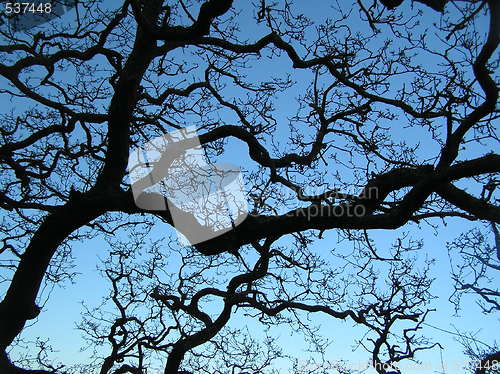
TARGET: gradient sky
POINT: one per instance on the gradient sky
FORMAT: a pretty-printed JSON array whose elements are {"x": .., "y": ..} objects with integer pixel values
[{"x": 62, "y": 310}]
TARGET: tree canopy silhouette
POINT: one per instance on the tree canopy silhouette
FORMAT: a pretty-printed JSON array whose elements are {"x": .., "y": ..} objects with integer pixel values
[{"x": 377, "y": 115}]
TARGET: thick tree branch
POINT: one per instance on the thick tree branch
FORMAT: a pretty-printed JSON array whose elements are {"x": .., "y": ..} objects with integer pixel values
[
  {"x": 461, "y": 199},
  {"x": 209, "y": 10},
  {"x": 450, "y": 150},
  {"x": 124, "y": 100}
]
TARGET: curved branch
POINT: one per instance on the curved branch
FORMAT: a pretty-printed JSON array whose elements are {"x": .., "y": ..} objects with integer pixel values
[{"x": 488, "y": 85}]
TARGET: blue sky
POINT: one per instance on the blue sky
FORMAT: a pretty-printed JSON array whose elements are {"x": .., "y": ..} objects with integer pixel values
[{"x": 62, "y": 310}]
